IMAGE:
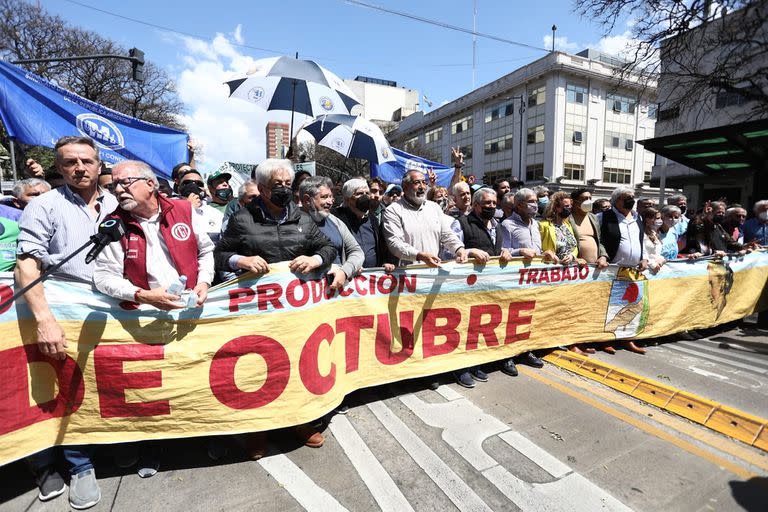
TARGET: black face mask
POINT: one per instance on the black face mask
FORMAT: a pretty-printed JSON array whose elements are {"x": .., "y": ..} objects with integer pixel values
[
  {"x": 718, "y": 219},
  {"x": 363, "y": 203},
  {"x": 225, "y": 194},
  {"x": 281, "y": 196},
  {"x": 487, "y": 213},
  {"x": 190, "y": 187},
  {"x": 683, "y": 209},
  {"x": 565, "y": 213},
  {"x": 629, "y": 203}
]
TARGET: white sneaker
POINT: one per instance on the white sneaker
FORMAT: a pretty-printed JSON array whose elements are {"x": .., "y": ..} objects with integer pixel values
[{"x": 84, "y": 491}]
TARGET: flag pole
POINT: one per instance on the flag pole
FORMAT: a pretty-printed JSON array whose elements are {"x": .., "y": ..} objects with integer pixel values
[
  {"x": 13, "y": 159},
  {"x": 293, "y": 108}
]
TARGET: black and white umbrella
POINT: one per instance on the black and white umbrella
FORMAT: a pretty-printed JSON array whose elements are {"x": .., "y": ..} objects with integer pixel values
[
  {"x": 352, "y": 136},
  {"x": 301, "y": 86}
]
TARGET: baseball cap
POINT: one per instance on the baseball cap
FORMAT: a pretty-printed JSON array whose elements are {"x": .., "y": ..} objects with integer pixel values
[
  {"x": 393, "y": 188},
  {"x": 218, "y": 174}
]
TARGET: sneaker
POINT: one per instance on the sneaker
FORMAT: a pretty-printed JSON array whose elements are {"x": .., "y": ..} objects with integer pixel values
[
  {"x": 479, "y": 375},
  {"x": 84, "y": 491},
  {"x": 342, "y": 409},
  {"x": 509, "y": 368},
  {"x": 149, "y": 461},
  {"x": 530, "y": 359},
  {"x": 50, "y": 484},
  {"x": 464, "y": 379}
]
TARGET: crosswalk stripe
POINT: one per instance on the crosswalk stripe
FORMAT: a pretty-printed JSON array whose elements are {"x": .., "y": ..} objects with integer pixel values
[
  {"x": 541, "y": 458},
  {"x": 735, "y": 364},
  {"x": 728, "y": 354},
  {"x": 449, "y": 482},
  {"x": 299, "y": 485},
  {"x": 382, "y": 487}
]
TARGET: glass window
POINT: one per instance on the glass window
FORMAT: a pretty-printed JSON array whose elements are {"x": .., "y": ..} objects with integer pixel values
[
  {"x": 433, "y": 135},
  {"x": 618, "y": 176},
  {"x": 537, "y": 96},
  {"x": 461, "y": 125},
  {"x": 534, "y": 172},
  {"x": 575, "y": 94},
  {"x": 573, "y": 172},
  {"x": 653, "y": 110},
  {"x": 536, "y": 134},
  {"x": 619, "y": 103},
  {"x": 498, "y": 144}
]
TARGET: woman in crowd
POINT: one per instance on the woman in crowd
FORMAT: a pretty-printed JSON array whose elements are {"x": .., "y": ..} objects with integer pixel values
[
  {"x": 671, "y": 216},
  {"x": 557, "y": 231},
  {"x": 439, "y": 195},
  {"x": 652, "y": 244},
  {"x": 704, "y": 238}
]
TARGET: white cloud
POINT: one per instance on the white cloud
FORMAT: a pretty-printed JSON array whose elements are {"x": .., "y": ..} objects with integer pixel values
[
  {"x": 561, "y": 43},
  {"x": 238, "y": 35},
  {"x": 228, "y": 129}
]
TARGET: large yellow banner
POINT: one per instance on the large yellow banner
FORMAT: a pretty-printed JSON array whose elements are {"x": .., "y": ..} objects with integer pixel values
[{"x": 280, "y": 350}]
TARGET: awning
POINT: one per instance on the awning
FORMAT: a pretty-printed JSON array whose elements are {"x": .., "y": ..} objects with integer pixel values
[{"x": 735, "y": 147}]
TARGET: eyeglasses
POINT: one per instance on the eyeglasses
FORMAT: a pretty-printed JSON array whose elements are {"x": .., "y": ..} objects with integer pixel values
[{"x": 125, "y": 183}]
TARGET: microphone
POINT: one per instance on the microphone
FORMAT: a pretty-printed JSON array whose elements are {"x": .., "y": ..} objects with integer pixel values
[{"x": 111, "y": 230}]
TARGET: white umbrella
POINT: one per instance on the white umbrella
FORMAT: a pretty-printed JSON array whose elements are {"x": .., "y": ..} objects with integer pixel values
[{"x": 352, "y": 136}]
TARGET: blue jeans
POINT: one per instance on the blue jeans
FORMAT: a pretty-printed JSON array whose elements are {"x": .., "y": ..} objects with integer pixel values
[{"x": 77, "y": 457}]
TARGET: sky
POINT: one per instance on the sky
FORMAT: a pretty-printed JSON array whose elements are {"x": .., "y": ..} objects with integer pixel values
[{"x": 211, "y": 42}]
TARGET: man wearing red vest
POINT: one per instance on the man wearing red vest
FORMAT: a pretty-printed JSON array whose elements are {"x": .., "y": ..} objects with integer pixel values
[{"x": 164, "y": 241}]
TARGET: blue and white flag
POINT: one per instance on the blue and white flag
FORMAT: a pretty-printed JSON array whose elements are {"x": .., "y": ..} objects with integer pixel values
[
  {"x": 393, "y": 172},
  {"x": 37, "y": 112}
]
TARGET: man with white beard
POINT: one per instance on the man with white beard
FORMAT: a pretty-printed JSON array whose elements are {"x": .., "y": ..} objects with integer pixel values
[
  {"x": 316, "y": 197},
  {"x": 416, "y": 229}
]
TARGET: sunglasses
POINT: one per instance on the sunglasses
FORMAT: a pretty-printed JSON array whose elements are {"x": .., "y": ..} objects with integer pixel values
[{"x": 195, "y": 182}]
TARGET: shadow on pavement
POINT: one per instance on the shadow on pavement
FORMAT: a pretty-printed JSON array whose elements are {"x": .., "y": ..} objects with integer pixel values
[{"x": 751, "y": 494}]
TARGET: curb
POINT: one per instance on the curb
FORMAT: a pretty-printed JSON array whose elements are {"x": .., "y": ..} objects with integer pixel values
[{"x": 748, "y": 429}]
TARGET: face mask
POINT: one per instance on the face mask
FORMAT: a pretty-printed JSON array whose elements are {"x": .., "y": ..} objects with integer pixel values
[
  {"x": 657, "y": 223},
  {"x": 487, "y": 213},
  {"x": 586, "y": 206},
  {"x": 225, "y": 194},
  {"x": 718, "y": 219},
  {"x": 543, "y": 201},
  {"x": 363, "y": 203},
  {"x": 565, "y": 213},
  {"x": 762, "y": 216},
  {"x": 443, "y": 202},
  {"x": 629, "y": 203},
  {"x": 281, "y": 196},
  {"x": 683, "y": 209},
  {"x": 674, "y": 222},
  {"x": 532, "y": 209}
]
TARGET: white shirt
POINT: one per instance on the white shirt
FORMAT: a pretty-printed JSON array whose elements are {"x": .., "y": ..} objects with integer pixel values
[
  {"x": 630, "y": 251},
  {"x": 211, "y": 220},
  {"x": 108, "y": 271}
]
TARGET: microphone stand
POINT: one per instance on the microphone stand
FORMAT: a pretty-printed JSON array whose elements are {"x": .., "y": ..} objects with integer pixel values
[{"x": 47, "y": 272}]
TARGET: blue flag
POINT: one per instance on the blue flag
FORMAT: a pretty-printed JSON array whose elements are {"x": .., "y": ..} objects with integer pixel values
[
  {"x": 393, "y": 172},
  {"x": 37, "y": 112}
]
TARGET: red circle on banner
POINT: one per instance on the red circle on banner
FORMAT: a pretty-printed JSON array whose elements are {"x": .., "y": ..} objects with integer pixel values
[
  {"x": 6, "y": 292},
  {"x": 471, "y": 279}
]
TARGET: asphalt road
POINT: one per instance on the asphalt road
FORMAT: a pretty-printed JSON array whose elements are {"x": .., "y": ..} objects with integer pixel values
[{"x": 546, "y": 440}]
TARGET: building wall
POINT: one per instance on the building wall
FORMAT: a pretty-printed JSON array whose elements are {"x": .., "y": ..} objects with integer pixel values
[
  {"x": 381, "y": 101},
  {"x": 550, "y": 118}
]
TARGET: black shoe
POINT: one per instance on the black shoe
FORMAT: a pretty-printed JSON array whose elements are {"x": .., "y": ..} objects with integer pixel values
[
  {"x": 530, "y": 359},
  {"x": 433, "y": 385},
  {"x": 50, "y": 484},
  {"x": 509, "y": 368},
  {"x": 478, "y": 374},
  {"x": 463, "y": 378}
]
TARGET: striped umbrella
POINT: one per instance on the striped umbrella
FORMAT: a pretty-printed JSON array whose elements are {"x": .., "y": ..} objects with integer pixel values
[
  {"x": 301, "y": 86},
  {"x": 353, "y": 137}
]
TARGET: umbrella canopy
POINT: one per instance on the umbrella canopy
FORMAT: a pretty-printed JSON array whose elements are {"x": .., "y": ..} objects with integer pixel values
[
  {"x": 353, "y": 137},
  {"x": 301, "y": 86}
]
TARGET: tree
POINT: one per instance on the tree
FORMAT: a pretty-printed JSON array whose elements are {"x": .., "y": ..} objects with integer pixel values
[
  {"x": 29, "y": 32},
  {"x": 700, "y": 51}
]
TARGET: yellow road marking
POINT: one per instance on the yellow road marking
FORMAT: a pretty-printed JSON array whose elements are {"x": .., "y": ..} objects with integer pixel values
[
  {"x": 737, "y": 424},
  {"x": 670, "y": 438}
]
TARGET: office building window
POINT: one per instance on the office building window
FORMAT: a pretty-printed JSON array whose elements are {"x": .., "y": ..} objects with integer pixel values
[
  {"x": 410, "y": 144},
  {"x": 537, "y": 96},
  {"x": 498, "y": 111},
  {"x": 573, "y": 172},
  {"x": 534, "y": 172},
  {"x": 620, "y": 104},
  {"x": 618, "y": 176},
  {"x": 653, "y": 110},
  {"x": 461, "y": 125},
  {"x": 536, "y": 134},
  {"x": 575, "y": 94},
  {"x": 498, "y": 144},
  {"x": 433, "y": 135}
]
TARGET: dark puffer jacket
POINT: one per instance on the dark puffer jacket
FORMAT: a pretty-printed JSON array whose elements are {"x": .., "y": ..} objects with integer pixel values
[{"x": 250, "y": 233}]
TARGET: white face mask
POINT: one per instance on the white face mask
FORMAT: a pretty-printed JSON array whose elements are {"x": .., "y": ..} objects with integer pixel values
[
  {"x": 674, "y": 221},
  {"x": 586, "y": 206},
  {"x": 763, "y": 216},
  {"x": 657, "y": 223}
]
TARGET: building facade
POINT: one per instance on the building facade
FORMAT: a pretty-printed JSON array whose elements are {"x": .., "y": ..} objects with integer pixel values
[
  {"x": 383, "y": 100},
  {"x": 562, "y": 119}
]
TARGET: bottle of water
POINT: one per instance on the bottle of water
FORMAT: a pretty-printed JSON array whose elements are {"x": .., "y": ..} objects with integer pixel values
[{"x": 178, "y": 286}]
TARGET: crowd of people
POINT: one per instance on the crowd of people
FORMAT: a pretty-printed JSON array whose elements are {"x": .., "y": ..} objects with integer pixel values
[{"x": 185, "y": 236}]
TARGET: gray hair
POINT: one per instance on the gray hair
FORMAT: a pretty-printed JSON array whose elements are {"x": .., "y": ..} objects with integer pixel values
[
  {"x": 620, "y": 191},
  {"x": 718, "y": 204},
  {"x": 676, "y": 198},
  {"x": 263, "y": 172},
  {"x": 480, "y": 194},
  {"x": 407, "y": 178},
  {"x": 241, "y": 191},
  {"x": 456, "y": 189},
  {"x": 508, "y": 198},
  {"x": 521, "y": 195},
  {"x": 352, "y": 186},
  {"x": 541, "y": 189},
  {"x": 760, "y": 204},
  {"x": 21, "y": 186},
  {"x": 311, "y": 185},
  {"x": 145, "y": 171},
  {"x": 669, "y": 209},
  {"x": 76, "y": 139}
]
